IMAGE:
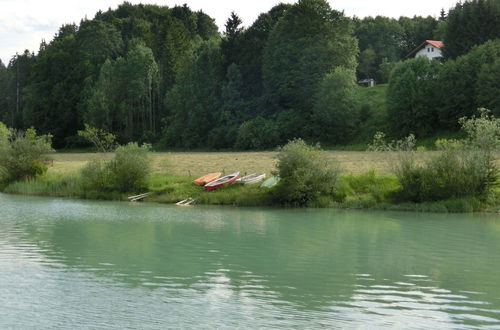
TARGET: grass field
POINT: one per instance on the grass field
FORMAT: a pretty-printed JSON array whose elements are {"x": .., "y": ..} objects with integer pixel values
[
  {"x": 365, "y": 182},
  {"x": 194, "y": 164}
]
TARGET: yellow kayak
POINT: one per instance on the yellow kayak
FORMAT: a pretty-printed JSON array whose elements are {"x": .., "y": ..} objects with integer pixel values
[{"x": 207, "y": 178}]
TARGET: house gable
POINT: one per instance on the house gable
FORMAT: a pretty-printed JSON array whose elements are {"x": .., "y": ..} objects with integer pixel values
[{"x": 429, "y": 48}]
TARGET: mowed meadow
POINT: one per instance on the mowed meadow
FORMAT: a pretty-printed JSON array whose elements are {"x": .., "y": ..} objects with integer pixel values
[{"x": 192, "y": 164}]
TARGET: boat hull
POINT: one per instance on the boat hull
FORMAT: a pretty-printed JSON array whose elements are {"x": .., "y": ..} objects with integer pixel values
[
  {"x": 228, "y": 179},
  {"x": 201, "y": 181},
  {"x": 252, "y": 178},
  {"x": 271, "y": 182}
]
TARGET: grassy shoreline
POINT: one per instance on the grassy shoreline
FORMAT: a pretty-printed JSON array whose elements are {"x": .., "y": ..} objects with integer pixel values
[{"x": 365, "y": 184}]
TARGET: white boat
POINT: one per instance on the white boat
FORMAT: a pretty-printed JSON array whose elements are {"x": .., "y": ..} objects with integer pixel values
[{"x": 252, "y": 178}]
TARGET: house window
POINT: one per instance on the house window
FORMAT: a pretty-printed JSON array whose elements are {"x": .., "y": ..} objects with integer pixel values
[
  {"x": 428, "y": 50},
  {"x": 432, "y": 49}
]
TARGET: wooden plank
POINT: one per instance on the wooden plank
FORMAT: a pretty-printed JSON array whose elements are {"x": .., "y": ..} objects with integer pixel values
[{"x": 140, "y": 195}]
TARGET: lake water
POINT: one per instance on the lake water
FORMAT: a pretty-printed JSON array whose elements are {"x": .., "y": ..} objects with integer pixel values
[{"x": 103, "y": 265}]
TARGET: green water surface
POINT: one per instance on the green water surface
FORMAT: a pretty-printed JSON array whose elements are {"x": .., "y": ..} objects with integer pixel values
[{"x": 68, "y": 264}]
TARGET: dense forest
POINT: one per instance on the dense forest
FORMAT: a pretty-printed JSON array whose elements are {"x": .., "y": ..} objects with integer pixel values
[{"x": 167, "y": 76}]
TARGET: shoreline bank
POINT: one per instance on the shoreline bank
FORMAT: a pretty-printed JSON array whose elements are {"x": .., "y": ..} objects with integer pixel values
[{"x": 367, "y": 191}]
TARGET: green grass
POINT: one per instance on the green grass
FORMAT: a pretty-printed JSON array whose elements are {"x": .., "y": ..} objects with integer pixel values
[
  {"x": 373, "y": 113},
  {"x": 171, "y": 189},
  {"x": 368, "y": 187},
  {"x": 359, "y": 187},
  {"x": 355, "y": 191},
  {"x": 50, "y": 184}
]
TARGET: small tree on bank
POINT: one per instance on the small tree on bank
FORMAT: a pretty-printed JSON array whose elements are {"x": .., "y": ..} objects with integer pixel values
[
  {"x": 305, "y": 174},
  {"x": 126, "y": 172},
  {"x": 103, "y": 141},
  {"x": 22, "y": 154}
]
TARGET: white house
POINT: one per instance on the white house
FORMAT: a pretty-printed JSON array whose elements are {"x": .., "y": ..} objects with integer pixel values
[{"x": 429, "y": 48}]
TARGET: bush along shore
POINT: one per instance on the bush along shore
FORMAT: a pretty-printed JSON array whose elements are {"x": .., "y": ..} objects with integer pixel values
[{"x": 462, "y": 177}]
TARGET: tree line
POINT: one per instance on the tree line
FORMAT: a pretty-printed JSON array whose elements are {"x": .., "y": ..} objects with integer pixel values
[{"x": 167, "y": 76}]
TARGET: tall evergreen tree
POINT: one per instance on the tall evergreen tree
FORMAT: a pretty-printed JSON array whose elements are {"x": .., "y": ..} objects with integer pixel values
[
  {"x": 53, "y": 96},
  {"x": 470, "y": 23},
  {"x": 230, "y": 44}
]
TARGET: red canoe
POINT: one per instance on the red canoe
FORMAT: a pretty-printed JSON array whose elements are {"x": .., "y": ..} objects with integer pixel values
[{"x": 228, "y": 179}]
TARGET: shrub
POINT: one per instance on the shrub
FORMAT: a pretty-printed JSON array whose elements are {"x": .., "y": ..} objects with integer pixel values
[
  {"x": 126, "y": 172},
  {"x": 305, "y": 174},
  {"x": 464, "y": 168},
  {"x": 22, "y": 155},
  {"x": 97, "y": 176},
  {"x": 130, "y": 167}
]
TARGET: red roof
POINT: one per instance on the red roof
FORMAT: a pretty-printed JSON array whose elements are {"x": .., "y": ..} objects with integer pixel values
[{"x": 435, "y": 43}]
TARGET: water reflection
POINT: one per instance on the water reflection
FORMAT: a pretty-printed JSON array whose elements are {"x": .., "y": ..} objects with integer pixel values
[{"x": 292, "y": 267}]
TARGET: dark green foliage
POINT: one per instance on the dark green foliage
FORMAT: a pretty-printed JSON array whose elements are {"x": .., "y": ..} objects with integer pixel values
[
  {"x": 205, "y": 26},
  {"x": 427, "y": 96},
  {"x": 471, "y": 23},
  {"x": 22, "y": 154},
  {"x": 56, "y": 90},
  {"x": 412, "y": 97},
  {"x": 53, "y": 96},
  {"x": 336, "y": 107},
  {"x": 488, "y": 87},
  {"x": 13, "y": 80},
  {"x": 125, "y": 97},
  {"x": 252, "y": 42},
  {"x": 230, "y": 44},
  {"x": 152, "y": 73},
  {"x": 231, "y": 112},
  {"x": 367, "y": 67},
  {"x": 194, "y": 99},
  {"x": 460, "y": 81},
  {"x": 305, "y": 175},
  {"x": 257, "y": 133},
  {"x": 98, "y": 41},
  {"x": 379, "y": 41},
  {"x": 373, "y": 112},
  {"x": 415, "y": 31},
  {"x": 384, "y": 40},
  {"x": 4, "y": 81},
  {"x": 310, "y": 40}
]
